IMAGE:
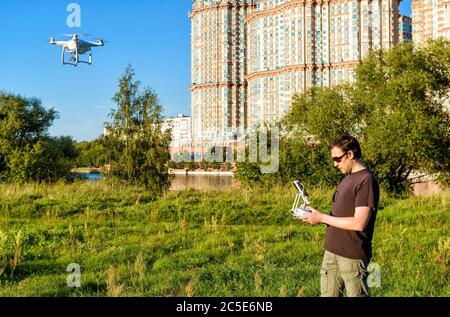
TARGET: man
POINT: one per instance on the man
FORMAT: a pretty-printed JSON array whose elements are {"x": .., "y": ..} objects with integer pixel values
[{"x": 348, "y": 246}]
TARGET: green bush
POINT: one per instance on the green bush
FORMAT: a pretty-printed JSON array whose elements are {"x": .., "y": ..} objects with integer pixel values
[
  {"x": 91, "y": 154},
  {"x": 27, "y": 152},
  {"x": 47, "y": 161},
  {"x": 298, "y": 161}
]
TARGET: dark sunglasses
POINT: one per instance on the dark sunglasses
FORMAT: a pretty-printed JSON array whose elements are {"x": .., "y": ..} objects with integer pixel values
[{"x": 339, "y": 159}]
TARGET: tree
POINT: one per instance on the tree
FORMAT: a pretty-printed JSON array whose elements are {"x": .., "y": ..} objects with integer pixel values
[
  {"x": 326, "y": 113},
  {"x": 27, "y": 152},
  {"x": 92, "y": 154},
  {"x": 396, "y": 107},
  {"x": 137, "y": 148},
  {"x": 299, "y": 160}
]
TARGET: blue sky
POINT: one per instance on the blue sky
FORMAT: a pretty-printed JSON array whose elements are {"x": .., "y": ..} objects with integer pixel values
[
  {"x": 152, "y": 35},
  {"x": 405, "y": 7}
]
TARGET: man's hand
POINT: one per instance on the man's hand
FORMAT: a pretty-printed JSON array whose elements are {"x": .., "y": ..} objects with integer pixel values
[
  {"x": 357, "y": 223},
  {"x": 314, "y": 218}
]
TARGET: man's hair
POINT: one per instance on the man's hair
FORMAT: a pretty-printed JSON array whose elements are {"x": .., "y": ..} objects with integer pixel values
[{"x": 348, "y": 143}]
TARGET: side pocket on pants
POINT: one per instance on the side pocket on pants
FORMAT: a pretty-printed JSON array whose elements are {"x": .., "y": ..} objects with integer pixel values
[
  {"x": 355, "y": 281},
  {"x": 323, "y": 282}
]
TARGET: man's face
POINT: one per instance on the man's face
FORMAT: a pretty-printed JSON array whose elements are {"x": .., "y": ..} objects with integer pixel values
[{"x": 342, "y": 160}]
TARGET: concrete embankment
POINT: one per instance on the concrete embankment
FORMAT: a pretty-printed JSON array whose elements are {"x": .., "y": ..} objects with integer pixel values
[{"x": 201, "y": 173}]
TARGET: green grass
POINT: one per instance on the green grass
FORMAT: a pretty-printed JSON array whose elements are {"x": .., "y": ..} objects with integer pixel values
[{"x": 229, "y": 243}]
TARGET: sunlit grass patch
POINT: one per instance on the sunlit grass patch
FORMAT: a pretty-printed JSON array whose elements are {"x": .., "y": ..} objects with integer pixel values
[{"x": 240, "y": 242}]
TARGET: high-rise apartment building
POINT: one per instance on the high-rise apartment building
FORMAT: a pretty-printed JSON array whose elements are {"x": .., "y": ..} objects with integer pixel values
[
  {"x": 218, "y": 68},
  {"x": 405, "y": 28},
  {"x": 181, "y": 133},
  {"x": 431, "y": 20},
  {"x": 296, "y": 44},
  {"x": 249, "y": 57}
]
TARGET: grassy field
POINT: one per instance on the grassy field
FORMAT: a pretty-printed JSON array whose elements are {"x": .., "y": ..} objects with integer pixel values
[{"x": 232, "y": 243}]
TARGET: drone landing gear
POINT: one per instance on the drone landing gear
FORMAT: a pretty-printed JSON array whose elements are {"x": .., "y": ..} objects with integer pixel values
[{"x": 74, "y": 60}]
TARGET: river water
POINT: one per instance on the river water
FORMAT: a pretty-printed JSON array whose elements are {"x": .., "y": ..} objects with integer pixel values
[
  {"x": 201, "y": 182},
  {"x": 90, "y": 177},
  {"x": 183, "y": 182}
]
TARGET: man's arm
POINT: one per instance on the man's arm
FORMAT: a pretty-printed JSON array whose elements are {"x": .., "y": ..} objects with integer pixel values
[{"x": 357, "y": 223}]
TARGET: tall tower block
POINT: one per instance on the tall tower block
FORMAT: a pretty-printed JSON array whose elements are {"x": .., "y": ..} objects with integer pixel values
[{"x": 218, "y": 87}]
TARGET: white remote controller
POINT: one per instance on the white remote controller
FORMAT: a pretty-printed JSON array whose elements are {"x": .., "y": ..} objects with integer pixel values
[{"x": 300, "y": 211}]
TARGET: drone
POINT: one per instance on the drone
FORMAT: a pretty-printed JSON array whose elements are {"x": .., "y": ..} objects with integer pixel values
[{"x": 76, "y": 47}]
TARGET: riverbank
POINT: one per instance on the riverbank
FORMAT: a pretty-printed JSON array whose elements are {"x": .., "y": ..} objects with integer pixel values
[
  {"x": 200, "y": 172},
  {"x": 216, "y": 180},
  {"x": 239, "y": 242},
  {"x": 87, "y": 170}
]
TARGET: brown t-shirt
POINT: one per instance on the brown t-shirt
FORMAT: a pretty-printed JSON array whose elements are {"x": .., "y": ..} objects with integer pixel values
[{"x": 360, "y": 189}]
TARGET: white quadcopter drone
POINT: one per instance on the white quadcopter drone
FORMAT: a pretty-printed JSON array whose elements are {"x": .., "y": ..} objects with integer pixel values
[
  {"x": 300, "y": 211},
  {"x": 76, "y": 47}
]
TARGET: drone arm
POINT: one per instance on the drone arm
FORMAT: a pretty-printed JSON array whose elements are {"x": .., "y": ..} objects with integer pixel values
[
  {"x": 295, "y": 206},
  {"x": 93, "y": 44},
  {"x": 59, "y": 43}
]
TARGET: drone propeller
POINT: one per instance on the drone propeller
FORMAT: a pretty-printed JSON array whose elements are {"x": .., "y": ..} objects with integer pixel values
[
  {"x": 79, "y": 35},
  {"x": 100, "y": 40}
]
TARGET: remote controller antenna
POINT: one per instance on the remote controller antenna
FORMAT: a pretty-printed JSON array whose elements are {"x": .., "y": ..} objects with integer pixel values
[{"x": 297, "y": 210}]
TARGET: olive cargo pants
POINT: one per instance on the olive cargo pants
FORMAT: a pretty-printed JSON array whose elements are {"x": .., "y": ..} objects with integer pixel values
[{"x": 339, "y": 273}]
